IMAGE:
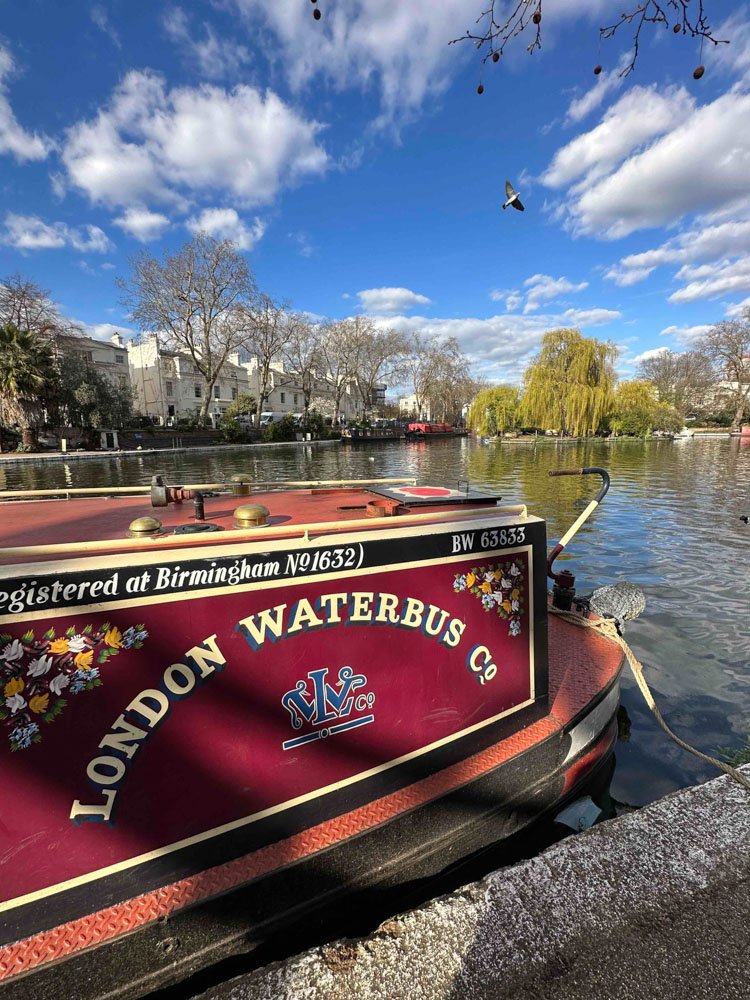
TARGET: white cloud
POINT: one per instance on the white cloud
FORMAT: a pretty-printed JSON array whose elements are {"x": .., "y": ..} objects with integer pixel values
[
  {"x": 142, "y": 224},
  {"x": 647, "y": 355},
  {"x": 739, "y": 308},
  {"x": 708, "y": 281},
  {"x": 154, "y": 144},
  {"x": 14, "y": 139},
  {"x": 638, "y": 116},
  {"x": 606, "y": 83},
  {"x": 696, "y": 159},
  {"x": 499, "y": 347},
  {"x": 685, "y": 334},
  {"x": 104, "y": 331},
  {"x": 398, "y": 49},
  {"x": 390, "y": 300},
  {"x": 215, "y": 57},
  {"x": 590, "y": 317},
  {"x": 100, "y": 17},
  {"x": 29, "y": 232},
  {"x": 543, "y": 288},
  {"x": 225, "y": 224}
]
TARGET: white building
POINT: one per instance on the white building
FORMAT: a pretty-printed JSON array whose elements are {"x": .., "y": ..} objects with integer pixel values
[
  {"x": 168, "y": 388},
  {"x": 407, "y": 407},
  {"x": 109, "y": 358}
]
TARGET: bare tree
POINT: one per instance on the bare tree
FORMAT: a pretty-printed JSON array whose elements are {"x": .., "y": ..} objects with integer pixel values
[
  {"x": 378, "y": 358},
  {"x": 338, "y": 351},
  {"x": 27, "y": 307},
  {"x": 500, "y": 23},
  {"x": 196, "y": 300},
  {"x": 681, "y": 380},
  {"x": 302, "y": 354},
  {"x": 265, "y": 327},
  {"x": 727, "y": 347},
  {"x": 435, "y": 366}
]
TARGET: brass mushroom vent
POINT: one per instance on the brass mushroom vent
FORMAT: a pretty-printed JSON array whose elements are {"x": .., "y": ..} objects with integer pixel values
[{"x": 250, "y": 515}]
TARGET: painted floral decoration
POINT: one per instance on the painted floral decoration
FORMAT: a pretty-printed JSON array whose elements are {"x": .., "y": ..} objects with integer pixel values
[
  {"x": 499, "y": 586},
  {"x": 34, "y": 673}
]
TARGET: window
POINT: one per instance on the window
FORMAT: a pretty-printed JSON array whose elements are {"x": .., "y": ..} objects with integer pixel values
[
  {"x": 295, "y": 399},
  {"x": 169, "y": 388},
  {"x": 123, "y": 382},
  {"x": 198, "y": 391},
  {"x": 283, "y": 397},
  {"x": 87, "y": 355},
  {"x": 234, "y": 393},
  {"x": 170, "y": 410},
  {"x": 120, "y": 359},
  {"x": 217, "y": 392}
]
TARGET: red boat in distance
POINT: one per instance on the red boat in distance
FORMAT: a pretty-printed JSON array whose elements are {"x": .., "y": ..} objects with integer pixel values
[
  {"x": 227, "y": 707},
  {"x": 419, "y": 429}
]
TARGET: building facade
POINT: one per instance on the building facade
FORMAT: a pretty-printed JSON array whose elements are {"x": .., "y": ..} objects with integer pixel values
[
  {"x": 109, "y": 358},
  {"x": 167, "y": 387}
]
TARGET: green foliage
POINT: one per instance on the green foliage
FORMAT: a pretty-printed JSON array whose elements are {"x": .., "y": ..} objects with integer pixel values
[
  {"x": 634, "y": 407},
  {"x": 84, "y": 397},
  {"x": 735, "y": 756},
  {"x": 315, "y": 424},
  {"x": 570, "y": 386},
  {"x": 230, "y": 426},
  {"x": 283, "y": 430},
  {"x": 494, "y": 410},
  {"x": 26, "y": 375}
]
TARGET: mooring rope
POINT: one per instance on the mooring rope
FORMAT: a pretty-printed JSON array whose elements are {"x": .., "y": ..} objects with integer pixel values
[{"x": 608, "y": 628}]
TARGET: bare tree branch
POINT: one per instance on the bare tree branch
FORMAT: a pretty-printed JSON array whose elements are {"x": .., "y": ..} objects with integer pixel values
[{"x": 494, "y": 30}]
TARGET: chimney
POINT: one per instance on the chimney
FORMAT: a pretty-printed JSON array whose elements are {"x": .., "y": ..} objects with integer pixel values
[{"x": 117, "y": 340}]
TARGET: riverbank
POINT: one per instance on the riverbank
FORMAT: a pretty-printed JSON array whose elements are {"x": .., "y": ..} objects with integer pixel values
[
  {"x": 11, "y": 458},
  {"x": 653, "y": 904}
]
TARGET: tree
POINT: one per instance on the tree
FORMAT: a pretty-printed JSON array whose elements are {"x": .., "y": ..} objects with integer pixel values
[
  {"x": 570, "y": 386},
  {"x": 494, "y": 410},
  {"x": 338, "y": 351},
  {"x": 727, "y": 348},
  {"x": 680, "y": 379},
  {"x": 26, "y": 371},
  {"x": 83, "y": 397},
  {"x": 378, "y": 358},
  {"x": 435, "y": 368},
  {"x": 197, "y": 299},
  {"x": 302, "y": 355},
  {"x": 266, "y": 327},
  {"x": 498, "y": 23},
  {"x": 243, "y": 406},
  {"x": 634, "y": 405},
  {"x": 27, "y": 307}
]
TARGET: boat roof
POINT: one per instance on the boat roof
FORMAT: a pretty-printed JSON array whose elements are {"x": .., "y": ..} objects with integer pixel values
[{"x": 36, "y": 527}]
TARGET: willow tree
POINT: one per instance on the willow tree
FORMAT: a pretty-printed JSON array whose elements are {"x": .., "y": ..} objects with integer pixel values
[
  {"x": 494, "y": 410},
  {"x": 570, "y": 386}
]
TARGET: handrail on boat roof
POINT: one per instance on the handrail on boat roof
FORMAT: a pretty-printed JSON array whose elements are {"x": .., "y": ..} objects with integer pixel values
[
  {"x": 130, "y": 490},
  {"x": 280, "y": 532}
]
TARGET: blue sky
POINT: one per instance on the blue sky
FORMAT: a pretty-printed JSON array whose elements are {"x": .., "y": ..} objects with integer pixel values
[{"x": 353, "y": 161}]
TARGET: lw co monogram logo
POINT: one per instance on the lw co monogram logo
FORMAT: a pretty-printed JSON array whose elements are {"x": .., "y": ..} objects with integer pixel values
[{"x": 326, "y": 703}]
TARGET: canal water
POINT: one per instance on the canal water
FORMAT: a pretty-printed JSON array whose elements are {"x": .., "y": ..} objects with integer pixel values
[{"x": 671, "y": 523}]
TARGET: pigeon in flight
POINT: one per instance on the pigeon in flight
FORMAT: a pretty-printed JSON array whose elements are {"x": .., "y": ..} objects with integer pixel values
[{"x": 512, "y": 197}]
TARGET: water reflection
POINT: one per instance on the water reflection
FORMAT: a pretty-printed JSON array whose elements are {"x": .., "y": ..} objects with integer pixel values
[{"x": 670, "y": 523}]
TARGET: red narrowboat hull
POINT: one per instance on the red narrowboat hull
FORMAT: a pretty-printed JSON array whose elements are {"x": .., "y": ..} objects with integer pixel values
[{"x": 286, "y": 719}]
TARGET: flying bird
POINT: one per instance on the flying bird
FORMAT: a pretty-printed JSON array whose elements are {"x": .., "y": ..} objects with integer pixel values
[{"x": 512, "y": 197}]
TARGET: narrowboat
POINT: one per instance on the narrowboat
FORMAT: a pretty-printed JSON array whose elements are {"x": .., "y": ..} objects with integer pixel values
[
  {"x": 225, "y": 707},
  {"x": 427, "y": 430}
]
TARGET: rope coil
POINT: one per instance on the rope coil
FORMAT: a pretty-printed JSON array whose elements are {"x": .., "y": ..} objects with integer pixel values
[{"x": 607, "y": 628}]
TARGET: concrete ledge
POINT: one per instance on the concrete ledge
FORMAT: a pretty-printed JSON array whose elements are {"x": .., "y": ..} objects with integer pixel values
[{"x": 654, "y": 904}]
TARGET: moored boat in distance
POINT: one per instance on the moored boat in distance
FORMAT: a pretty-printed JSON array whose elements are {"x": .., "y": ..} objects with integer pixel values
[
  {"x": 430, "y": 430},
  {"x": 222, "y": 711}
]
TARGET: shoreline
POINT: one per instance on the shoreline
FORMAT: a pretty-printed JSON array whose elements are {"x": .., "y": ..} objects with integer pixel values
[{"x": 13, "y": 457}]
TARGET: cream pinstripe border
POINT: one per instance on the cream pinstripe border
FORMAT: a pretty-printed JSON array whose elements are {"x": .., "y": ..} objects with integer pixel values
[{"x": 264, "y": 585}]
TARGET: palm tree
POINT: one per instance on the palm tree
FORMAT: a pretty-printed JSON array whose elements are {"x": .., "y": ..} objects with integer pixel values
[{"x": 26, "y": 368}]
